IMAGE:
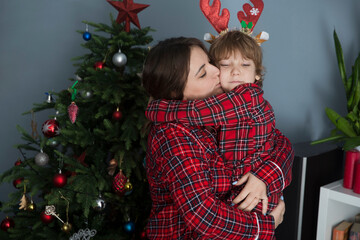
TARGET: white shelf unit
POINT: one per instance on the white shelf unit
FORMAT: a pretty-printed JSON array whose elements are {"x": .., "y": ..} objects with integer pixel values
[{"x": 336, "y": 204}]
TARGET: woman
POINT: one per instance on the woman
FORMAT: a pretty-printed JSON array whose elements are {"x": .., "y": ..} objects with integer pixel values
[{"x": 189, "y": 182}]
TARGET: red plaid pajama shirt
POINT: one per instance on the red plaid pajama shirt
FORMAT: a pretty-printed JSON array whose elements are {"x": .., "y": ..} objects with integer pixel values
[
  {"x": 190, "y": 186},
  {"x": 246, "y": 133}
]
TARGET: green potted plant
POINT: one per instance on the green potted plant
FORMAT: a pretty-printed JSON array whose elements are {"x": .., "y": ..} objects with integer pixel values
[{"x": 347, "y": 129}]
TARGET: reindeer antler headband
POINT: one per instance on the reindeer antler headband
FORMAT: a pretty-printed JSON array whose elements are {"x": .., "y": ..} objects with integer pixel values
[{"x": 247, "y": 18}]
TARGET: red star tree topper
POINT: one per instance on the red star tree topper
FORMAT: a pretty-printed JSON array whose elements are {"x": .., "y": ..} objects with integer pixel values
[{"x": 128, "y": 11}]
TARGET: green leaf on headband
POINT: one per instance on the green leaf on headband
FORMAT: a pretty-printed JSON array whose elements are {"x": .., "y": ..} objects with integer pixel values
[{"x": 243, "y": 24}]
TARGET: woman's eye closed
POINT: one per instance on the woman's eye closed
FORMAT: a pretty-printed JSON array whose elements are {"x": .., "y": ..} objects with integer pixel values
[{"x": 203, "y": 75}]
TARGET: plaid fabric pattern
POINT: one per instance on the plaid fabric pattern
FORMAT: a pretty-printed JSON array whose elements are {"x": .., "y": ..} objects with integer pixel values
[
  {"x": 190, "y": 188},
  {"x": 275, "y": 170},
  {"x": 246, "y": 134}
]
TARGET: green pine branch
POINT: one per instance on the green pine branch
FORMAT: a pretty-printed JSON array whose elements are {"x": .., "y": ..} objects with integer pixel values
[{"x": 97, "y": 135}]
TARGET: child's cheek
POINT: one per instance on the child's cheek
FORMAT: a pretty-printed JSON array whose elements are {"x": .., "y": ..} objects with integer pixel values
[{"x": 222, "y": 76}]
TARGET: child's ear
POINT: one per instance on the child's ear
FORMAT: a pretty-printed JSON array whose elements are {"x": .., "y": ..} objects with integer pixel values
[{"x": 257, "y": 77}]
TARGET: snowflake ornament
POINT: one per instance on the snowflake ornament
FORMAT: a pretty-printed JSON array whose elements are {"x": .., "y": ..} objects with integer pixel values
[
  {"x": 83, "y": 234},
  {"x": 254, "y": 11}
]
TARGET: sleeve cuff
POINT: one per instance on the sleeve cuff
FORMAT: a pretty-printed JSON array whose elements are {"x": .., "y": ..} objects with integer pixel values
[
  {"x": 271, "y": 174},
  {"x": 266, "y": 227}
]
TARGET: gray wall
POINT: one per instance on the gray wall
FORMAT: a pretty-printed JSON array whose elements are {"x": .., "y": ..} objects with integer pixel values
[{"x": 38, "y": 39}]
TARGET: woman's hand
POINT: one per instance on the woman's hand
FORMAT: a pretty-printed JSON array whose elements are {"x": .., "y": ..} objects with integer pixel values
[
  {"x": 278, "y": 213},
  {"x": 253, "y": 193}
]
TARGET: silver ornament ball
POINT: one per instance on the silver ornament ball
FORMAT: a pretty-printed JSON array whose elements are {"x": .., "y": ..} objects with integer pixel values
[
  {"x": 41, "y": 159},
  {"x": 86, "y": 94},
  {"x": 100, "y": 204},
  {"x": 119, "y": 59}
]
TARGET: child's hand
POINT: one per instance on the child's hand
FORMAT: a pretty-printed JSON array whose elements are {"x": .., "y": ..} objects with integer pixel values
[{"x": 253, "y": 193}]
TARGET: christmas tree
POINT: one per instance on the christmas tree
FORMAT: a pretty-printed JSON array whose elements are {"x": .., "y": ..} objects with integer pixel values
[{"x": 84, "y": 177}]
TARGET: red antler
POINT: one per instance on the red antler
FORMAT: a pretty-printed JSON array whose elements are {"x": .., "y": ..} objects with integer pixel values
[
  {"x": 212, "y": 13},
  {"x": 253, "y": 13}
]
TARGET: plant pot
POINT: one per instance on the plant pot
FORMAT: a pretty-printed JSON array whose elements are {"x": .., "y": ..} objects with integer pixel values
[
  {"x": 356, "y": 186},
  {"x": 351, "y": 158}
]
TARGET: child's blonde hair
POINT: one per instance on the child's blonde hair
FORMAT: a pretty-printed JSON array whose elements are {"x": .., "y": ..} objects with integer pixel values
[{"x": 233, "y": 41}]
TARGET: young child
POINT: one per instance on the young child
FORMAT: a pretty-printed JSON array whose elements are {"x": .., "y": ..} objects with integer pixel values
[{"x": 246, "y": 121}]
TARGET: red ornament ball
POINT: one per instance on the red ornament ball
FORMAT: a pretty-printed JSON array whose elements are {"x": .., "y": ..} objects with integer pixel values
[
  {"x": 59, "y": 180},
  {"x": 99, "y": 65},
  {"x": 143, "y": 235},
  {"x": 117, "y": 115},
  {"x": 119, "y": 183},
  {"x": 46, "y": 218},
  {"x": 17, "y": 181},
  {"x": 18, "y": 162},
  {"x": 7, "y": 223},
  {"x": 50, "y": 128}
]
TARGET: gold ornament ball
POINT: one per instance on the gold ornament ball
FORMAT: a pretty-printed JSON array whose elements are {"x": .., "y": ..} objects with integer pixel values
[
  {"x": 66, "y": 227},
  {"x": 31, "y": 207},
  {"x": 128, "y": 186}
]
